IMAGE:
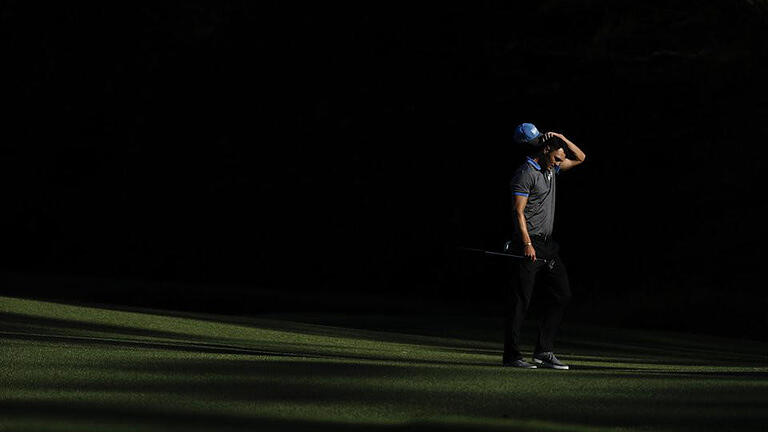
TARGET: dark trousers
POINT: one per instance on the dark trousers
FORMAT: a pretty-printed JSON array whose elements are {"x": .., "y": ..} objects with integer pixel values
[{"x": 557, "y": 293}]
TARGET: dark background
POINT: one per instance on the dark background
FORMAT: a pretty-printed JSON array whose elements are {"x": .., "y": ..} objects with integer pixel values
[{"x": 241, "y": 156}]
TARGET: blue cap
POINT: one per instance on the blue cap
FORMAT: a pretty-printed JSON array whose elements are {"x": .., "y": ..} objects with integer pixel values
[{"x": 526, "y": 133}]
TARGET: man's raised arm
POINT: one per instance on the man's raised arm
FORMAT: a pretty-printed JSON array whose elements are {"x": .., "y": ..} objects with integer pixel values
[{"x": 573, "y": 151}]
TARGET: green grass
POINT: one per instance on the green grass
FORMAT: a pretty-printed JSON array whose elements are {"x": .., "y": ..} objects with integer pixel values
[{"x": 69, "y": 367}]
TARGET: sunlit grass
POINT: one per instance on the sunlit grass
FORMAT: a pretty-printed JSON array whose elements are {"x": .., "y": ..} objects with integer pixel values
[{"x": 69, "y": 367}]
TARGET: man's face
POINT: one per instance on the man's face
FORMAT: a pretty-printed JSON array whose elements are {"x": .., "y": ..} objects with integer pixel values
[{"x": 555, "y": 158}]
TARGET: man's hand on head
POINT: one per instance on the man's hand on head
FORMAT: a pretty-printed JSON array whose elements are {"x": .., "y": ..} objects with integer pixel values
[
  {"x": 573, "y": 155},
  {"x": 549, "y": 135},
  {"x": 568, "y": 152}
]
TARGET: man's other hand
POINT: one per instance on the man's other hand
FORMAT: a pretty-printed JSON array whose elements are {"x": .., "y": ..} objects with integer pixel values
[{"x": 530, "y": 252}]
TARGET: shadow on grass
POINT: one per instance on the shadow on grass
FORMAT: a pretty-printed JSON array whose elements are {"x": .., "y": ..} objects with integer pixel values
[
  {"x": 98, "y": 415},
  {"x": 649, "y": 372},
  {"x": 86, "y": 341},
  {"x": 199, "y": 347},
  {"x": 24, "y": 323},
  {"x": 675, "y": 352},
  {"x": 27, "y": 327},
  {"x": 317, "y": 388},
  {"x": 653, "y": 347},
  {"x": 14, "y": 322}
]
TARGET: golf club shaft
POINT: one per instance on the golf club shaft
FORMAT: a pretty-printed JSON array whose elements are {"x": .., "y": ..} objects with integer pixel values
[{"x": 500, "y": 253}]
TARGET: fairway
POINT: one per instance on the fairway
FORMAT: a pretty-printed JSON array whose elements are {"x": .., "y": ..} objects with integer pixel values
[{"x": 69, "y": 367}]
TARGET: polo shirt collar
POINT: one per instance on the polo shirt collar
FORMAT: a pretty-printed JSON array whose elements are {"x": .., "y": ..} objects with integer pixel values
[{"x": 534, "y": 163}]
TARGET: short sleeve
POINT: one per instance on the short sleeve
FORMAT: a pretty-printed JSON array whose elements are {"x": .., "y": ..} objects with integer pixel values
[{"x": 522, "y": 183}]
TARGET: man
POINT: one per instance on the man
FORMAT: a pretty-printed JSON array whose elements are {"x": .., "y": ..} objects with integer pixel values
[{"x": 533, "y": 193}]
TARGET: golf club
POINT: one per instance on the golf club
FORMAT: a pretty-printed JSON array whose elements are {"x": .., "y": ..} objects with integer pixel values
[{"x": 487, "y": 252}]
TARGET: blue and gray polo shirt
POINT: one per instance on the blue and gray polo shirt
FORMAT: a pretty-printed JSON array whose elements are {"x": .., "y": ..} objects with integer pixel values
[{"x": 532, "y": 181}]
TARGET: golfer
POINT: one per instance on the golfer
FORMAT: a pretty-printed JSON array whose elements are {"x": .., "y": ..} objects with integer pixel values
[{"x": 533, "y": 195}]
